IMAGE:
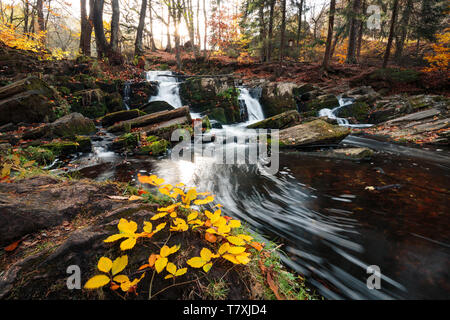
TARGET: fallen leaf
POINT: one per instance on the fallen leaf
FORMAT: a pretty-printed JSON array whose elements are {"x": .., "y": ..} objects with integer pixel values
[{"x": 12, "y": 246}]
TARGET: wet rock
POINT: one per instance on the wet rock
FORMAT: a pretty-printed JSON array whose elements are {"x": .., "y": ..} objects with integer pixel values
[
  {"x": 66, "y": 147},
  {"x": 215, "y": 124},
  {"x": 118, "y": 116},
  {"x": 153, "y": 146},
  {"x": 346, "y": 153},
  {"x": 364, "y": 94},
  {"x": 280, "y": 121},
  {"x": 30, "y": 100},
  {"x": 141, "y": 92},
  {"x": 215, "y": 97},
  {"x": 323, "y": 101},
  {"x": 278, "y": 97},
  {"x": 114, "y": 102},
  {"x": 8, "y": 127},
  {"x": 33, "y": 204},
  {"x": 317, "y": 132},
  {"x": 358, "y": 110},
  {"x": 156, "y": 106}
]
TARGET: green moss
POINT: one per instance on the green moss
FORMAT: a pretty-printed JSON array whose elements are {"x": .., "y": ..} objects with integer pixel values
[
  {"x": 218, "y": 114},
  {"x": 64, "y": 148},
  {"x": 358, "y": 110},
  {"x": 155, "y": 148},
  {"x": 40, "y": 155},
  {"x": 395, "y": 75}
]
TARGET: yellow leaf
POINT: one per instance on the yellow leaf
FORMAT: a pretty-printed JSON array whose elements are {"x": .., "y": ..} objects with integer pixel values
[
  {"x": 159, "y": 215},
  {"x": 243, "y": 258},
  {"x": 128, "y": 244},
  {"x": 180, "y": 272},
  {"x": 121, "y": 278},
  {"x": 160, "y": 226},
  {"x": 236, "y": 240},
  {"x": 211, "y": 230},
  {"x": 169, "y": 276},
  {"x": 204, "y": 201},
  {"x": 192, "y": 216},
  {"x": 231, "y": 258},
  {"x": 28, "y": 164},
  {"x": 127, "y": 227},
  {"x": 207, "y": 267},
  {"x": 165, "y": 251},
  {"x": 119, "y": 264},
  {"x": 206, "y": 254},
  {"x": 104, "y": 264},
  {"x": 97, "y": 282},
  {"x": 6, "y": 170},
  {"x": 115, "y": 237},
  {"x": 245, "y": 237},
  {"x": 174, "y": 248},
  {"x": 196, "y": 262},
  {"x": 134, "y": 198},
  {"x": 160, "y": 264},
  {"x": 223, "y": 248},
  {"x": 224, "y": 229},
  {"x": 234, "y": 223},
  {"x": 236, "y": 250},
  {"x": 148, "y": 227},
  {"x": 171, "y": 268}
]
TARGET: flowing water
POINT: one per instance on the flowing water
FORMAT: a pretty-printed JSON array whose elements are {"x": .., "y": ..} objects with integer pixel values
[
  {"x": 333, "y": 114},
  {"x": 254, "y": 109},
  {"x": 330, "y": 225},
  {"x": 168, "y": 87}
]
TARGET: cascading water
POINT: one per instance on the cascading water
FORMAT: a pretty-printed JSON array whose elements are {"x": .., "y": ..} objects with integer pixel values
[
  {"x": 254, "y": 109},
  {"x": 332, "y": 114},
  {"x": 126, "y": 94},
  {"x": 168, "y": 87}
]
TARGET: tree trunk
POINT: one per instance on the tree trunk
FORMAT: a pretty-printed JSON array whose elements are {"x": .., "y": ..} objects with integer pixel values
[
  {"x": 198, "y": 26},
  {"x": 262, "y": 33},
  {"x": 360, "y": 31},
  {"x": 138, "y": 47},
  {"x": 283, "y": 29},
  {"x": 299, "y": 22},
  {"x": 169, "y": 45},
  {"x": 403, "y": 24},
  {"x": 26, "y": 13},
  {"x": 351, "y": 49},
  {"x": 391, "y": 34},
  {"x": 86, "y": 28},
  {"x": 205, "y": 40},
  {"x": 270, "y": 35},
  {"x": 40, "y": 14},
  {"x": 152, "y": 38},
  {"x": 326, "y": 56},
  {"x": 103, "y": 48},
  {"x": 115, "y": 18}
]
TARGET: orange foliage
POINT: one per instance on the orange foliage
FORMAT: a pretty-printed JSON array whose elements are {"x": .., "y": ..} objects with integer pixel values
[{"x": 439, "y": 59}]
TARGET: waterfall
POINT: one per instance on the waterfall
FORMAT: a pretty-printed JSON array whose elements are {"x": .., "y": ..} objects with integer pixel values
[
  {"x": 126, "y": 94},
  {"x": 254, "y": 109},
  {"x": 168, "y": 87},
  {"x": 332, "y": 114}
]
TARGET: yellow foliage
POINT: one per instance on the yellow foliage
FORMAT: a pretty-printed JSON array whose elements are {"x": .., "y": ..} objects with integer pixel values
[{"x": 439, "y": 60}]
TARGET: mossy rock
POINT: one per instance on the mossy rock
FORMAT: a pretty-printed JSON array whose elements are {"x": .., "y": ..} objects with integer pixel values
[
  {"x": 126, "y": 141},
  {"x": 65, "y": 148},
  {"x": 42, "y": 156},
  {"x": 358, "y": 110},
  {"x": 156, "y": 106},
  {"x": 395, "y": 75},
  {"x": 114, "y": 102},
  {"x": 71, "y": 125},
  {"x": 155, "y": 148},
  {"x": 118, "y": 116},
  {"x": 321, "y": 102},
  {"x": 31, "y": 100},
  {"x": 280, "y": 121},
  {"x": 206, "y": 96}
]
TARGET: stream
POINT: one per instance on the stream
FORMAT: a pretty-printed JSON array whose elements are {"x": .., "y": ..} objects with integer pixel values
[{"x": 331, "y": 227}]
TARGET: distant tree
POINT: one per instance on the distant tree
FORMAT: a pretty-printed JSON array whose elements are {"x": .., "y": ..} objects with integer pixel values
[
  {"x": 391, "y": 34},
  {"x": 353, "y": 30},
  {"x": 138, "y": 47},
  {"x": 326, "y": 56}
]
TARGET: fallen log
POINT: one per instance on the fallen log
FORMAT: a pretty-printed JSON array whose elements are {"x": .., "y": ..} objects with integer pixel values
[{"x": 150, "y": 119}]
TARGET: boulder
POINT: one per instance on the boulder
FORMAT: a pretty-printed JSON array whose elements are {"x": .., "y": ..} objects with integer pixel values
[
  {"x": 68, "y": 126},
  {"x": 118, "y": 116},
  {"x": 358, "y": 110},
  {"x": 313, "y": 106},
  {"x": 40, "y": 202},
  {"x": 314, "y": 133},
  {"x": 278, "y": 97},
  {"x": 156, "y": 106},
  {"x": 30, "y": 100},
  {"x": 362, "y": 94},
  {"x": 90, "y": 103},
  {"x": 280, "y": 121},
  {"x": 68, "y": 147},
  {"x": 355, "y": 154},
  {"x": 141, "y": 92},
  {"x": 215, "y": 97}
]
